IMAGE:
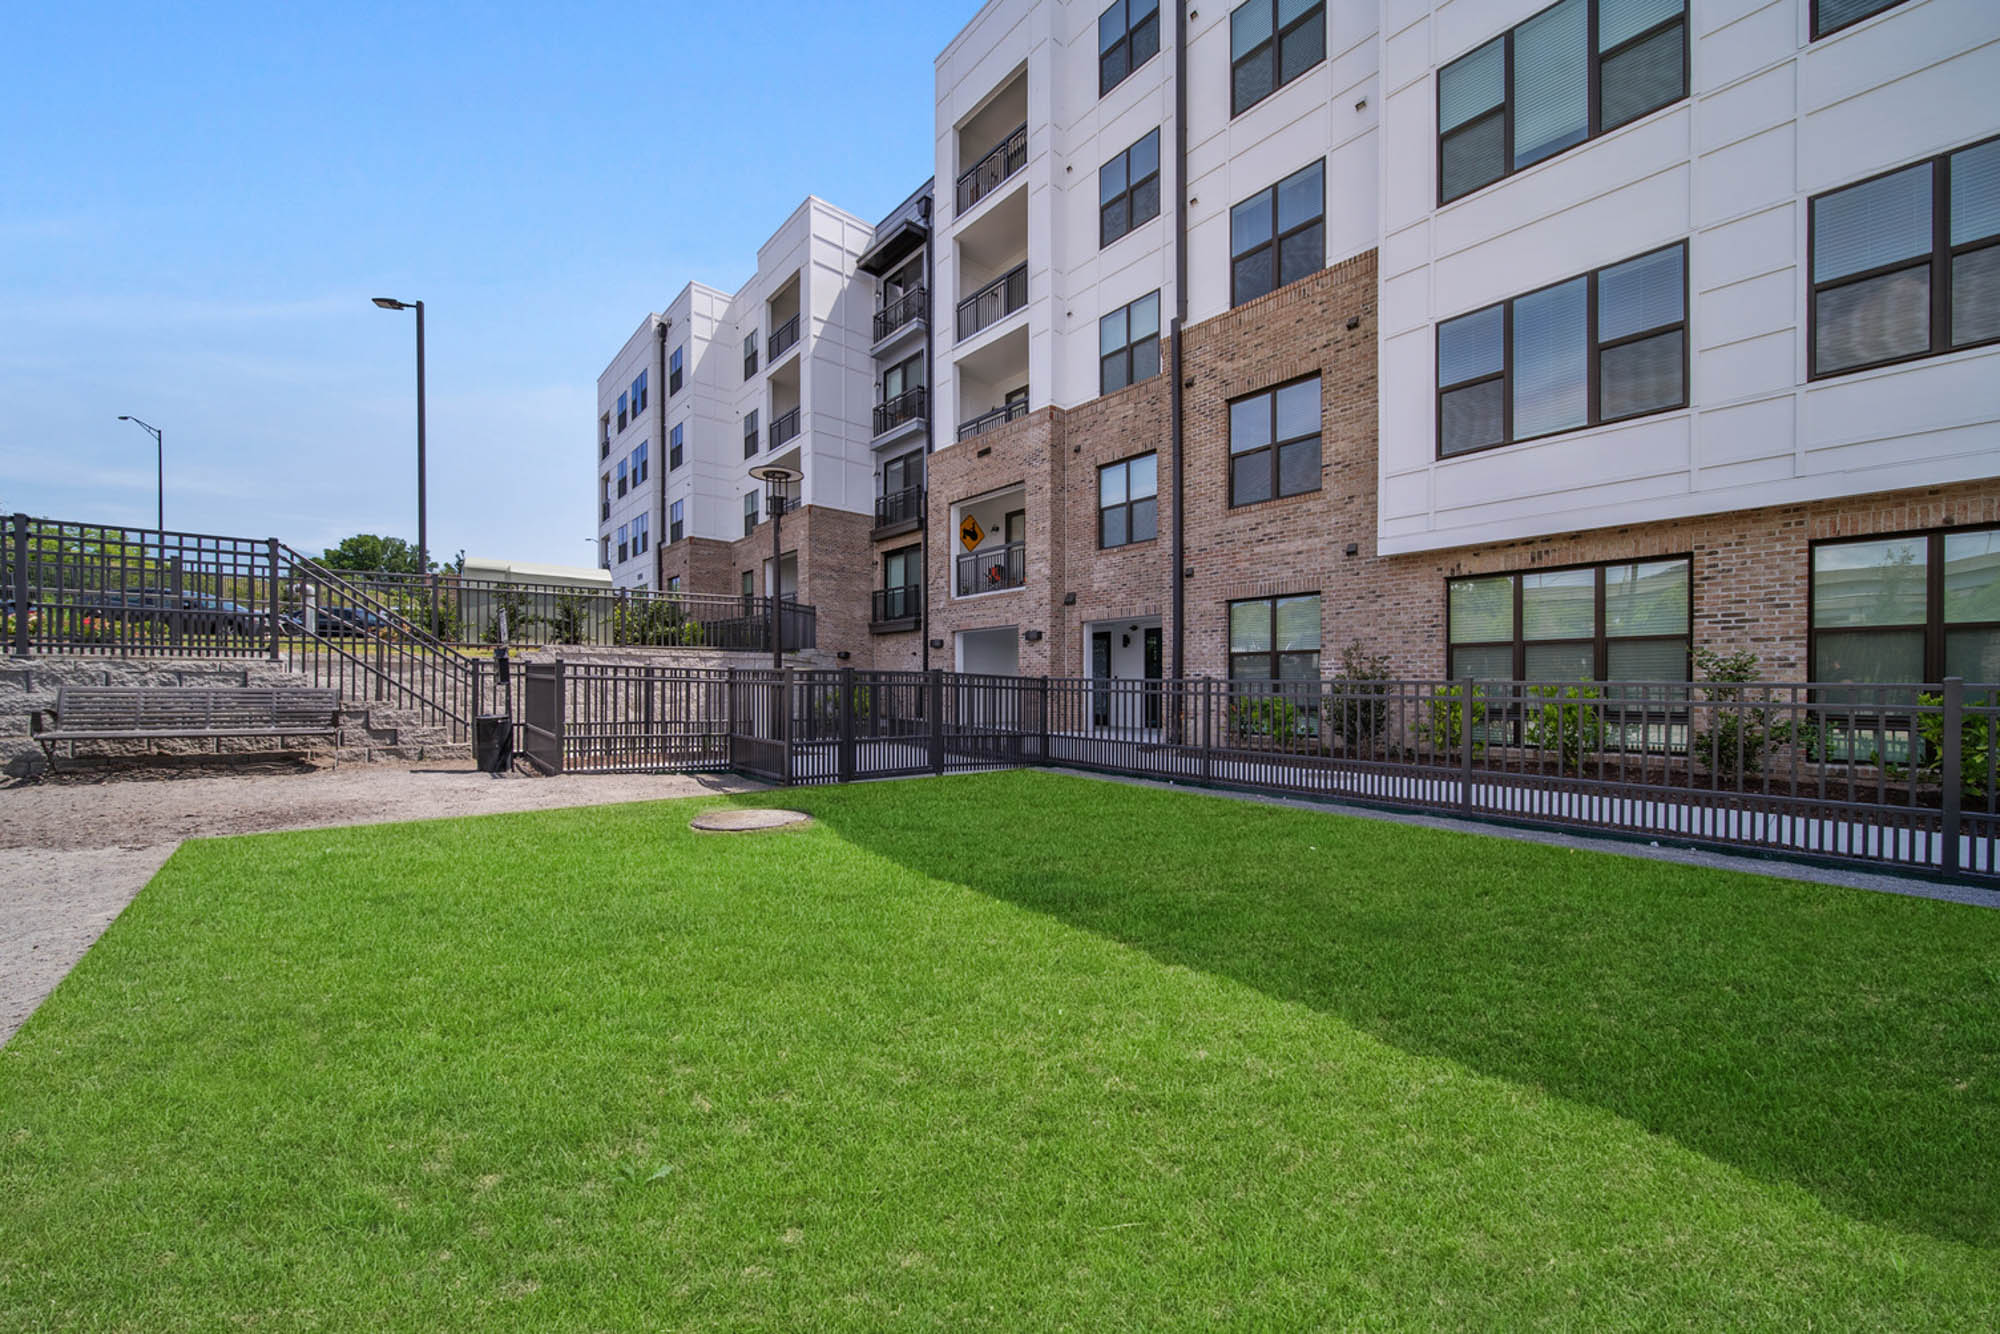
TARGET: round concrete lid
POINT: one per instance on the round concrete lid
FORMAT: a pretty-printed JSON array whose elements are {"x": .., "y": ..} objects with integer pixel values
[{"x": 730, "y": 821}]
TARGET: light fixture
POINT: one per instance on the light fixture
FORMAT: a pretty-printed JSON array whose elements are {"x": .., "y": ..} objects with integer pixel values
[{"x": 1032, "y": 636}]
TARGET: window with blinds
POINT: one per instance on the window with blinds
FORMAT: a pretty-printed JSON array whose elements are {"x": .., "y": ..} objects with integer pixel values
[
  {"x": 1629, "y": 621},
  {"x": 1578, "y": 69},
  {"x": 1830, "y": 16}
]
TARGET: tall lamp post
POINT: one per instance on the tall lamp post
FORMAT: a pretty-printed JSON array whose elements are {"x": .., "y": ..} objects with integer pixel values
[
  {"x": 778, "y": 482},
  {"x": 423, "y": 521},
  {"x": 160, "y": 452}
]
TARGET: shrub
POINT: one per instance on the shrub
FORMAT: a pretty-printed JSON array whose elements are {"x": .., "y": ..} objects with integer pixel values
[
  {"x": 1975, "y": 743},
  {"x": 520, "y": 615},
  {"x": 1569, "y": 721},
  {"x": 1263, "y": 715},
  {"x": 1359, "y": 697},
  {"x": 569, "y": 620},
  {"x": 1740, "y": 735},
  {"x": 1451, "y": 713}
]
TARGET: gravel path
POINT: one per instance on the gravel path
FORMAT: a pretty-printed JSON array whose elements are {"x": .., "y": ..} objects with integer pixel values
[{"x": 74, "y": 852}]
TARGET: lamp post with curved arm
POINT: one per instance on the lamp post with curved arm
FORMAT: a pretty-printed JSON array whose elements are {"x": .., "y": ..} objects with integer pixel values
[
  {"x": 778, "y": 482},
  {"x": 160, "y": 458}
]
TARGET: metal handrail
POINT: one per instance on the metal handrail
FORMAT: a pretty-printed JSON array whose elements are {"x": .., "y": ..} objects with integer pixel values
[
  {"x": 912, "y": 305},
  {"x": 985, "y": 175},
  {"x": 784, "y": 336},
  {"x": 896, "y": 604},
  {"x": 999, "y": 416},
  {"x": 993, "y": 302},
  {"x": 899, "y": 506},
  {"x": 784, "y": 427},
  {"x": 893, "y": 412},
  {"x": 991, "y": 569}
]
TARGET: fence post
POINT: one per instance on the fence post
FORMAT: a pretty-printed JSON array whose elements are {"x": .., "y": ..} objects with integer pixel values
[
  {"x": 1465, "y": 689},
  {"x": 1951, "y": 767},
  {"x": 274, "y": 599},
  {"x": 787, "y": 700},
  {"x": 1205, "y": 728},
  {"x": 937, "y": 720},
  {"x": 20, "y": 585},
  {"x": 478, "y": 690},
  {"x": 561, "y": 727},
  {"x": 844, "y": 754},
  {"x": 1042, "y": 723}
]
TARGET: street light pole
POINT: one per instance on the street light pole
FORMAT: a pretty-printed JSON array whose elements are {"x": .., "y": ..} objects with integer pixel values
[
  {"x": 777, "y": 480},
  {"x": 160, "y": 459},
  {"x": 423, "y": 509}
]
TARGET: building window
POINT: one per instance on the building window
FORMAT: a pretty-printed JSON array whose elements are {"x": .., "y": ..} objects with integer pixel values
[
  {"x": 639, "y": 462},
  {"x": 1546, "y": 85},
  {"x": 1274, "y": 443},
  {"x": 749, "y": 583},
  {"x": 622, "y": 480},
  {"x": 1907, "y": 264},
  {"x": 676, "y": 525},
  {"x": 621, "y": 411},
  {"x": 902, "y": 377},
  {"x": 604, "y": 436},
  {"x": 749, "y": 354},
  {"x": 1128, "y": 344},
  {"x": 1272, "y": 42},
  {"x": 1277, "y": 236},
  {"x": 749, "y": 513},
  {"x": 1128, "y": 506},
  {"x": 641, "y": 531},
  {"x": 1908, "y": 609},
  {"x": 904, "y": 473},
  {"x": 902, "y": 584},
  {"x": 639, "y": 394},
  {"x": 604, "y": 552},
  {"x": 1830, "y": 16},
  {"x": 1128, "y": 189},
  {"x": 1274, "y": 639},
  {"x": 1623, "y": 622},
  {"x": 675, "y": 457},
  {"x": 673, "y": 583},
  {"x": 1128, "y": 35},
  {"x": 750, "y": 434},
  {"x": 624, "y": 542},
  {"x": 1599, "y": 348},
  {"x": 674, "y": 378}
]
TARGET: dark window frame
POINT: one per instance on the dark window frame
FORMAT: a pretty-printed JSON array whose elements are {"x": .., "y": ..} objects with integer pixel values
[
  {"x": 1818, "y": 31},
  {"x": 1275, "y": 45},
  {"x": 1600, "y": 639},
  {"x": 676, "y": 521},
  {"x": 1128, "y": 350},
  {"x": 902, "y": 464},
  {"x": 915, "y": 359},
  {"x": 750, "y": 434},
  {"x": 1278, "y": 237},
  {"x": 1935, "y": 627},
  {"x": 1595, "y": 126},
  {"x": 749, "y": 513},
  {"x": 912, "y": 553},
  {"x": 1125, "y": 42},
  {"x": 1130, "y": 193},
  {"x": 641, "y": 533},
  {"x": 1129, "y": 502},
  {"x": 1592, "y": 366},
  {"x": 1938, "y": 261},
  {"x": 624, "y": 474},
  {"x": 1274, "y": 653},
  {"x": 624, "y": 542},
  {"x": 622, "y": 416},
  {"x": 639, "y": 394},
  {"x": 675, "y": 377},
  {"x": 676, "y": 440},
  {"x": 640, "y": 462},
  {"x": 750, "y": 354},
  {"x": 1275, "y": 445}
]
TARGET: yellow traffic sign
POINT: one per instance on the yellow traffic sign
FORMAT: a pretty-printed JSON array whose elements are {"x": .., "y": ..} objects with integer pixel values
[{"x": 970, "y": 533}]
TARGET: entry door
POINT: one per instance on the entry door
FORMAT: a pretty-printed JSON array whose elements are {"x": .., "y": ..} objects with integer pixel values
[
  {"x": 1153, "y": 676},
  {"x": 1100, "y": 677}
]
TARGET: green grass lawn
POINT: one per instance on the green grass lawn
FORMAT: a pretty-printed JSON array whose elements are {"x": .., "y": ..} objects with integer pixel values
[{"x": 1014, "y": 1051}]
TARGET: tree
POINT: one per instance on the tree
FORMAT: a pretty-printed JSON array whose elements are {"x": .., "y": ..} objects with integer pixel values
[{"x": 366, "y": 551}]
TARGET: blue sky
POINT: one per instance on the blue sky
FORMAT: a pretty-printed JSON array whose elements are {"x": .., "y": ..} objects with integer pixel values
[{"x": 200, "y": 200}]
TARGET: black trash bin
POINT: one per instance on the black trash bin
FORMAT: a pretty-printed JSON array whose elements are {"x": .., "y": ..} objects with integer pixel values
[{"x": 493, "y": 742}]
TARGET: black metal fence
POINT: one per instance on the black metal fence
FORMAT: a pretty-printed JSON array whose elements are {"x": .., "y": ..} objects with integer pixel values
[
  {"x": 1000, "y": 162},
  {"x": 1904, "y": 777},
  {"x": 993, "y": 302}
]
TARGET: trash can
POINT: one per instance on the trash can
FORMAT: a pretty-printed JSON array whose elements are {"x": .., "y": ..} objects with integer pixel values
[{"x": 493, "y": 742}]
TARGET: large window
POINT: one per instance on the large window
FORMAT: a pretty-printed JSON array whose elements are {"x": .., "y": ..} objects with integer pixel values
[
  {"x": 1128, "y": 344},
  {"x": 903, "y": 473},
  {"x": 639, "y": 462},
  {"x": 624, "y": 542},
  {"x": 624, "y": 480},
  {"x": 902, "y": 584},
  {"x": 749, "y": 354},
  {"x": 1278, "y": 236},
  {"x": 750, "y": 433},
  {"x": 641, "y": 533},
  {"x": 677, "y": 521},
  {"x": 1274, "y": 443},
  {"x": 902, "y": 377},
  {"x": 675, "y": 454},
  {"x": 1912, "y": 608},
  {"x": 639, "y": 394},
  {"x": 1624, "y": 622},
  {"x": 1128, "y": 189},
  {"x": 1907, "y": 264},
  {"x": 1274, "y": 639},
  {"x": 1128, "y": 505},
  {"x": 1599, "y": 348},
  {"x": 749, "y": 513},
  {"x": 1830, "y": 16},
  {"x": 622, "y": 415},
  {"x": 674, "y": 378},
  {"x": 1272, "y": 42},
  {"x": 1576, "y": 70},
  {"x": 1128, "y": 35}
]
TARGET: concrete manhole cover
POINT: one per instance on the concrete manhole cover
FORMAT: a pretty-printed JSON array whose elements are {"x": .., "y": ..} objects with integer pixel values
[{"x": 742, "y": 821}]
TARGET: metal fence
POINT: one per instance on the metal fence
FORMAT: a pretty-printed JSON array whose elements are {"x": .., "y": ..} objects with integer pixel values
[{"x": 1895, "y": 776}]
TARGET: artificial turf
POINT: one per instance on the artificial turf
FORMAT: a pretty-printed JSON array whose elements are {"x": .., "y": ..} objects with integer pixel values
[{"x": 1012, "y": 1051}]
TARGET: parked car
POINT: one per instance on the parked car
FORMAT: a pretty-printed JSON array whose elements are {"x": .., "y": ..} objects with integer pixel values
[
  {"x": 190, "y": 613},
  {"x": 351, "y": 621}
]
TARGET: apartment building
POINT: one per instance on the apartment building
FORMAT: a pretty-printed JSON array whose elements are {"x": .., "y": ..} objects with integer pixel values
[{"x": 1501, "y": 338}]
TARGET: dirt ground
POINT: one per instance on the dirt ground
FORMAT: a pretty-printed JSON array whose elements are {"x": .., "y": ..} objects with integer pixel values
[{"x": 75, "y": 850}]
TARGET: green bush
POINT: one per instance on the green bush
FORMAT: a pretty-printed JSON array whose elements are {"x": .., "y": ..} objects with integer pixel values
[
  {"x": 1975, "y": 743},
  {"x": 1569, "y": 721},
  {"x": 520, "y": 615},
  {"x": 654, "y": 623},
  {"x": 1263, "y": 715},
  {"x": 570, "y": 619},
  {"x": 1359, "y": 696},
  {"x": 1450, "y": 713},
  {"x": 1740, "y": 736}
]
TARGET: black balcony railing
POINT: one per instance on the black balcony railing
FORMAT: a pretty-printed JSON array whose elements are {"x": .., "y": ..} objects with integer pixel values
[
  {"x": 993, "y": 302},
  {"x": 999, "y": 416},
  {"x": 992, "y": 569},
  {"x": 914, "y": 304},
  {"x": 897, "y": 604},
  {"x": 899, "y": 506},
  {"x": 906, "y": 406},
  {"x": 783, "y": 427},
  {"x": 784, "y": 336},
  {"x": 985, "y": 175}
]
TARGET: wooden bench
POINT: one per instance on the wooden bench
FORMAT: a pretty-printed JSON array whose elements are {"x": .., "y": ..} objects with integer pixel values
[{"x": 185, "y": 713}]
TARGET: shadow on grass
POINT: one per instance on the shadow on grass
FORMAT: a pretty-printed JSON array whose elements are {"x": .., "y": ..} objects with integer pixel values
[{"x": 1843, "y": 1041}]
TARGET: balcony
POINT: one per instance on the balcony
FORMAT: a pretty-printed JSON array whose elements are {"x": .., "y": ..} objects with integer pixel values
[
  {"x": 911, "y": 306},
  {"x": 993, "y": 302},
  {"x": 604, "y": 449},
  {"x": 899, "y": 512},
  {"x": 783, "y": 427},
  {"x": 783, "y": 337},
  {"x": 986, "y": 175},
  {"x": 992, "y": 569},
  {"x": 907, "y": 406},
  {"x": 894, "y": 609},
  {"x": 603, "y": 510},
  {"x": 999, "y": 416}
]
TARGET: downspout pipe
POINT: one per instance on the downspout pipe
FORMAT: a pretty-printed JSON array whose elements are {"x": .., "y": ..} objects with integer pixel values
[
  {"x": 660, "y": 464},
  {"x": 1177, "y": 417},
  {"x": 925, "y": 210}
]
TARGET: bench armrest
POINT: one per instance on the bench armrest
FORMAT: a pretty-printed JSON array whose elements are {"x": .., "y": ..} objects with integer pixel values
[{"x": 39, "y": 720}]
